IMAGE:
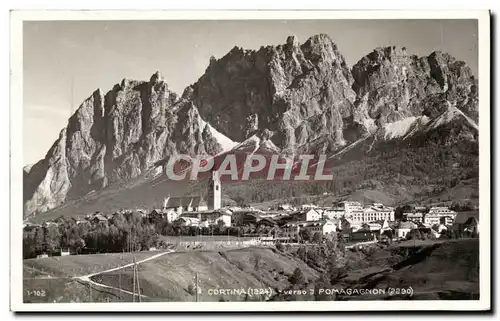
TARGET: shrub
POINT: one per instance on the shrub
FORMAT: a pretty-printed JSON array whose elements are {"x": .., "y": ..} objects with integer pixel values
[{"x": 297, "y": 278}]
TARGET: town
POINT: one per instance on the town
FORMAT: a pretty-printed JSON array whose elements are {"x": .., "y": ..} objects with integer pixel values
[{"x": 200, "y": 220}]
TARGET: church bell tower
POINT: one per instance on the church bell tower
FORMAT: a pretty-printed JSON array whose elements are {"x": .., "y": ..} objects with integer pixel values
[{"x": 214, "y": 191}]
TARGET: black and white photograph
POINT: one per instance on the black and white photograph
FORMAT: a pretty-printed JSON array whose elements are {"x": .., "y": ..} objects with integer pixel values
[{"x": 250, "y": 161}]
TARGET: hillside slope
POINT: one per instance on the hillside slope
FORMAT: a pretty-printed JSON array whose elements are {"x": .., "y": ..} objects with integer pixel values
[
  {"x": 441, "y": 270},
  {"x": 171, "y": 277}
]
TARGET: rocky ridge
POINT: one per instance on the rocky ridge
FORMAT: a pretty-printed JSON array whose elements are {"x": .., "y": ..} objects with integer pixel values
[
  {"x": 113, "y": 137},
  {"x": 294, "y": 97}
]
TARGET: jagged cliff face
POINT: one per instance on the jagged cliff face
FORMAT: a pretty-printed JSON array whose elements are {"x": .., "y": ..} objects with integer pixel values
[
  {"x": 298, "y": 92},
  {"x": 391, "y": 85},
  {"x": 115, "y": 137},
  {"x": 291, "y": 98}
]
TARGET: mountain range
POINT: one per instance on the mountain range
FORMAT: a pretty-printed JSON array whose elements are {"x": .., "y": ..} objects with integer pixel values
[{"x": 390, "y": 110}]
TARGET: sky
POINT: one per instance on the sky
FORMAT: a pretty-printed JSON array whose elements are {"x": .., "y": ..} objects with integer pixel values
[{"x": 65, "y": 61}]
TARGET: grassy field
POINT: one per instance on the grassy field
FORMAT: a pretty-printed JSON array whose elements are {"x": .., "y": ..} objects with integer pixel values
[
  {"x": 78, "y": 265},
  {"x": 169, "y": 278},
  {"x": 51, "y": 279}
]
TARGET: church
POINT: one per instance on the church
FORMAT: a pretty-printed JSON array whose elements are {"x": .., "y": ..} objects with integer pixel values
[{"x": 197, "y": 203}]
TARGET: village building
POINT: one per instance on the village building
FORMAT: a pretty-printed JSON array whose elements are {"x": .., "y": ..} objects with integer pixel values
[
  {"x": 439, "y": 214},
  {"x": 208, "y": 218},
  {"x": 171, "y": 215},
  {"x": 308, "y": 206},
  {"x": 403, "y": 228},
  {"x": 351, "y": 209},
  {"x": 156, "y": 215},
  {"x": 98, "y": 218},
  {"x": 190, "y": 221},
  {"x": 363, "y": 236},
  {"x": 185, "y": 204},
  {"x": 285, "y": 207},
  {"x": 62, "y": 252},
  {"x": 307, "y": 215},
  {"x": 291, "y": 230},
  {"x": 196, "y": 203},
  {"x": 437, "y": 230},
  {"x": 431, "y": 219},
  {"x": 241, "y": 218},
  {"x": 28, "y": 226},
  {"x": 371, "y": 226},
  {"x": 378, "y": 212},
  {"x": 331, "y": 213},
  {"x": 78, "y": 220},
  {"x": 214, "y": 192},
  {"x": 338, "y": 210},
  {"x": 49, "y": 223},
  {"x": 342, "y": 224},
  {"x": 414, "y": 217},
  {"x": 442, "y": 210},
  {"x": 446, "y": 220}
]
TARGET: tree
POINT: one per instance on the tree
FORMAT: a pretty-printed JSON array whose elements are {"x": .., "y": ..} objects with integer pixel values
[
  {"x": 322, "y": 282},
  {"x": 52, "y": 238},
  {"x": 317, "y": 237},
  {"x": 39, "y": 240},
  {"x": 301, "y": 253},
  {"x": 221, "y": 226},
  {"x": 305, "y": 234},
  {"x": 297, "y": 278},
  {"x": 240, "y": 200}
]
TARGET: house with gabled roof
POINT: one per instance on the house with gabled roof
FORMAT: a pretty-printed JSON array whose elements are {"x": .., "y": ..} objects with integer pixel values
[
  {"x": 403, "y": 228},
  {"x": 306, "y": 215},
  {"x": 208, "y": 218}
]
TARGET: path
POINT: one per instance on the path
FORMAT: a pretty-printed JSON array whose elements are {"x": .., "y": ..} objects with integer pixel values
[{"x": 86, "y": 278}]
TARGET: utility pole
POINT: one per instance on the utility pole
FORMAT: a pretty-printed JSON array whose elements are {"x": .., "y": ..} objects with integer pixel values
[
  {"x": 133, "y": 282},
  {"x": 120, "y": 279},
  {"x": 90, "y": 292},
  {"x": 196, "y": 281},
  {"x": 137, "y": 276}
]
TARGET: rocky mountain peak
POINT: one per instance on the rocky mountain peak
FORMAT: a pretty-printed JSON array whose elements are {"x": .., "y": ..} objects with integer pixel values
[
  {"x": 278, "y": 88},
  {"x": 292, "y": 41},
  {"x": 156, "y": 78},
  {"x": 391, "y": 85},
  {"x": 114, "y": 137},
  {"x": 288, "y": 98}
]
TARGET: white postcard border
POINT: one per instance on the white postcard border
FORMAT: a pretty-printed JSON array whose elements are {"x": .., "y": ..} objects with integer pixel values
[{"x": 16, "y": 143}]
